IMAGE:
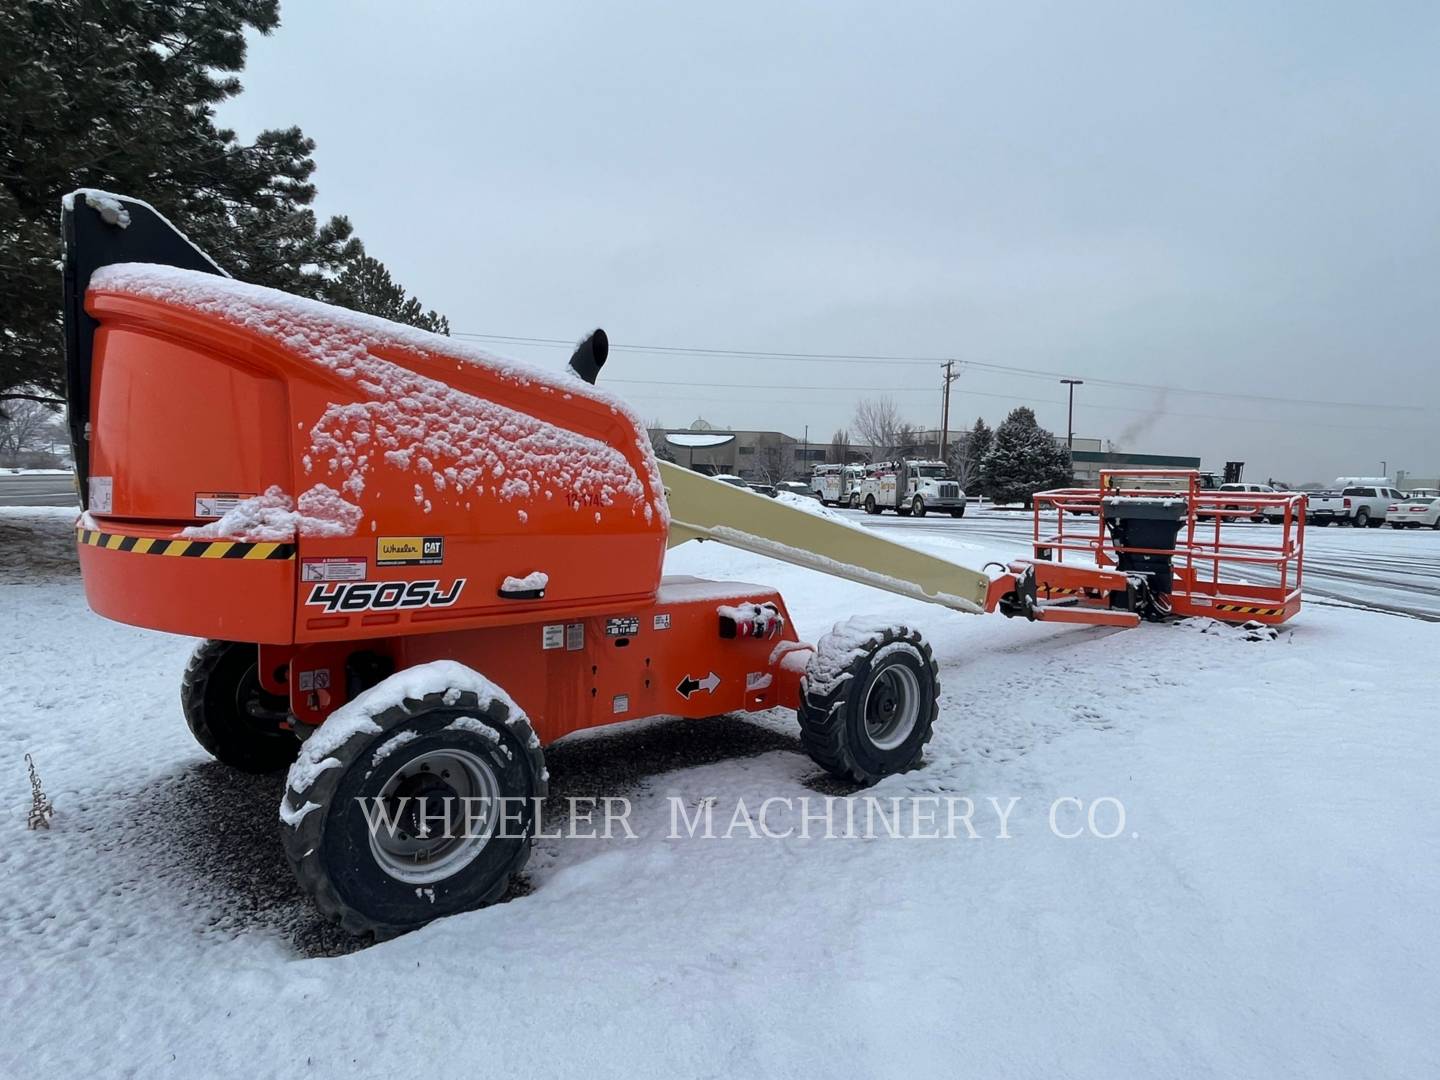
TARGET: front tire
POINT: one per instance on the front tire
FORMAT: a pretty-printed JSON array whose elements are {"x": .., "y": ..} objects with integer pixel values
[
  {"x": 868, "y": 701},
  {"x": 236, "y": 720},
  {"x": 958, "y": 513},
  {"x": 416, "y": 772},
  {"x": 918, "y": 507}
]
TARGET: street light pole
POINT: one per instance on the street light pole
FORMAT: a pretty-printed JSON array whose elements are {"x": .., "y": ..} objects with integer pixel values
[
  {"x": 1070, "y": 419},
  {"x": 1385, "y": 468}
]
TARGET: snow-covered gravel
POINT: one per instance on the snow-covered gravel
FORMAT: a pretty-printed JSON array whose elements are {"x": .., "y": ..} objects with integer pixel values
[{"x": 1268, "y": 909}]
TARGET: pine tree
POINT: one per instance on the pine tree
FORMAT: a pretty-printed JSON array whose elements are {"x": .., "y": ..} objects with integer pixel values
[
  {"x": 977, "y": 445},
  {"x": 121, "y": 95},
  {"x": 365, "y": 285},
  {"x": 1024, "y": 459}
]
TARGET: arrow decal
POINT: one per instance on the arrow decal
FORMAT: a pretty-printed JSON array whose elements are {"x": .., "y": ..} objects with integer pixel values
[{"x": 690, "y": 685}]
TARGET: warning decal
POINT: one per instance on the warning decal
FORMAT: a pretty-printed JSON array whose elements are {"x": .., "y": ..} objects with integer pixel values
[
  {"x": 214, "y": 504},
  {"x": 102, "y": 493},
  {"x": 333, "y": 568}
]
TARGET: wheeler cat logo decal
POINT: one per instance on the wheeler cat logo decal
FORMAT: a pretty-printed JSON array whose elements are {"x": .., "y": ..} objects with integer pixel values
[{"x": 383, "y": 595}]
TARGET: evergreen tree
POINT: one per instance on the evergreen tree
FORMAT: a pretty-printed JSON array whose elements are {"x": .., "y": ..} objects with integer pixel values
[
  {"x": 1024, "y": 459},
  {"x": 977, "y": 445},
  {"x": 365, "y": 285},
  {"x": 121, "y": 95}
]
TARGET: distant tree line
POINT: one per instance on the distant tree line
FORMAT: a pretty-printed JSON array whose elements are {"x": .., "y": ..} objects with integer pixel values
[{"x": 121, "y": 95}]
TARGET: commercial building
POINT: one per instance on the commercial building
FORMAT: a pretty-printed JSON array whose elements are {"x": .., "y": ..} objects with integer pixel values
[
  {"x": 1089, "y": 456},
  {"x": 766, "y": 456}
]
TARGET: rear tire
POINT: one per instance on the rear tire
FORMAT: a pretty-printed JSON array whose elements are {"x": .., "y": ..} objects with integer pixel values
[
  {"x": 230, "y": 714},
  {"x": 1361, "y": 518},
  {"x": 435, "y": 751},
  {"x": 870, "y": 507},
  {"x": 868, "y": 701}
]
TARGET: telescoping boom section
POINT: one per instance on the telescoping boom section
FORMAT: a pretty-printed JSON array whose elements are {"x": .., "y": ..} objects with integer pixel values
[{"x": 1145, "y": 544}]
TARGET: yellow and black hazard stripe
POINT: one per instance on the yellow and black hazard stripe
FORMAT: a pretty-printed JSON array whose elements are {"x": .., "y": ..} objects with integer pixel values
[
  {"x": 189, "y": 549},
  {"x": 1061, "y": 592},
  {"x": 1246, "y": 609}
]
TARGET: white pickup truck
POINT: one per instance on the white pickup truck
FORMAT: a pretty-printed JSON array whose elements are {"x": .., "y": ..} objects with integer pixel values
[
  {"x": 1352, "y": 504},
  {"x": 1322, "y": 508},
  {"x": 1366, "y": 504}
]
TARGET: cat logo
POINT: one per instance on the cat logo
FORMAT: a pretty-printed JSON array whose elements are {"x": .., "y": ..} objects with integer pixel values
[{"x": 410, "y": 551}]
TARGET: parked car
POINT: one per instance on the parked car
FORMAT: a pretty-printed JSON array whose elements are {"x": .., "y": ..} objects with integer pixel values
[
  {"x": 1368, "y": 505},
  {"x": 763, "y": 489},
  {"x": 1414, "y": 513},
  {"x": 732, "y": 480},
  {"x": 794, "y": 487}
]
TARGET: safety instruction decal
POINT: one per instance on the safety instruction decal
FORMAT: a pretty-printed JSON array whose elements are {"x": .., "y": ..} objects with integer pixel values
[
  {"x": 214, "y": 504},
  {"x": 102, "y": 494},
  {"x": 333, "y": 568}
]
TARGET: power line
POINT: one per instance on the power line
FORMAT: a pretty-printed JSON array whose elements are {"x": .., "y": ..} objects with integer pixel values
[
  {"x": 1015, "y": 398},
  {"x": 864, "y": 358}
]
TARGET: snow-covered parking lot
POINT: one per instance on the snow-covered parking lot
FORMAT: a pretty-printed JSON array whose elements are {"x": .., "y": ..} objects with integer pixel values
[{"x": 1267, "y": 907}]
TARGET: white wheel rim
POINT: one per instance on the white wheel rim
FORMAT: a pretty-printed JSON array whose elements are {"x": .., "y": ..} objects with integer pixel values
[
  {"x": 891, "y": 707},
  {"x": 451, "y": 845}
]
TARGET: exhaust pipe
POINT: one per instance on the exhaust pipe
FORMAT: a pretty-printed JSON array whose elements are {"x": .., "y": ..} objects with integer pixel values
[{"x": 589, "y": 357}]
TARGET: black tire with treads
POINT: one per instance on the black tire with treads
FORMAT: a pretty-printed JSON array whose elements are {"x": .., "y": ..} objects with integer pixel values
[
  {"x": 230, "y": 714},
  {"x": 329, "y": 849},
  {"x": 833, "y": 727}
]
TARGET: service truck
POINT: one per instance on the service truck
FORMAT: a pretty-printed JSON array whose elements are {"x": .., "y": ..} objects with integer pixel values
[
  {"x": 911, "y": 486},
  {"x": 837, "y": 485}
]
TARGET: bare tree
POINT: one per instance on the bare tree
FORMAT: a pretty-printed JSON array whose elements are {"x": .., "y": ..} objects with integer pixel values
[
  {"x": 839, "y": 446},
  {"x": 877, "y": 421},
  {"x": 28, "y": 429},
  {"x": 770, "y": 464}
]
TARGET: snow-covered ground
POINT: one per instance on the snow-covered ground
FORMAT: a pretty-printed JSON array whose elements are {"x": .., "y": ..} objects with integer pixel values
[{"x": 1268, "y": 909}]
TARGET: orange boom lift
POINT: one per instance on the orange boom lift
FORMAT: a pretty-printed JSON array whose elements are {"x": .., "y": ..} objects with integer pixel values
[{"x": 414, "y": 565}]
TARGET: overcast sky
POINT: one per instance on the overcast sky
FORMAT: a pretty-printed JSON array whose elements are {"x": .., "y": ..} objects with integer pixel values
[{"x": 1240, "y": 198}]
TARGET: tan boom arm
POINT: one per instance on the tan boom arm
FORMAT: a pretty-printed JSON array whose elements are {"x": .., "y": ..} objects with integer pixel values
[{"x": 705, "y": 509}]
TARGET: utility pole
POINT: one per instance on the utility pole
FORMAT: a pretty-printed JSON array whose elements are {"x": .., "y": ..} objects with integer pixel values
[
  {"x": 945, "y": 408},
  {"x": 1070, "y": 419}
]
